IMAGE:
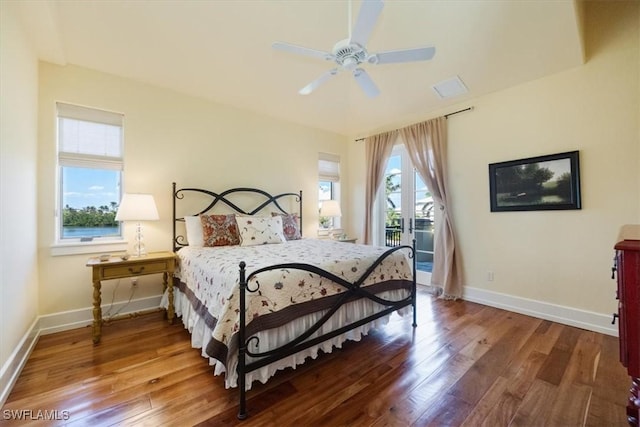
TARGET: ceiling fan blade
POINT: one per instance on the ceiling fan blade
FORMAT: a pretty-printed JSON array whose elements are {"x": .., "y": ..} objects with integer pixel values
[
  {"x": 367, "y": 18},
  {"x": 299, "y": 50},
  {"x": 365, "y": 82},
  {"x": 317, "y": 82},
  {"x": 405, "y": 55}
]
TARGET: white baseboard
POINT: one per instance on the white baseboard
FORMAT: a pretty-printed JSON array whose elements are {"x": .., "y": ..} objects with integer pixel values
[
  {"x": 65, "y": 320},
  {"x": 543, "y": 310},
  {"x": 57, "y": 322},
  {"x": 13, "y": 366}
]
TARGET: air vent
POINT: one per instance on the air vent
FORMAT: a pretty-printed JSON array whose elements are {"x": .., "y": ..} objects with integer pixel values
[{"x": 450, "y": 88}]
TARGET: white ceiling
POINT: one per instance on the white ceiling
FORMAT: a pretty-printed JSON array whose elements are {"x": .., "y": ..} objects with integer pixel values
[{"x": 221, "y": 50}]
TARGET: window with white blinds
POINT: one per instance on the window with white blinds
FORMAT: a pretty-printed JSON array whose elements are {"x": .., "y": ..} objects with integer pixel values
[
  {"x": 329, "y": 167},
  {"x": 89, "y": 137},
  {"x": 90, "y": 164}
]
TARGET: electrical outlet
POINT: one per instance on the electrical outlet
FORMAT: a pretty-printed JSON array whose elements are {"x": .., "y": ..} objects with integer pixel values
[
  {"x": 489, "y": 276},
  {"x": 134, "y": 282}
]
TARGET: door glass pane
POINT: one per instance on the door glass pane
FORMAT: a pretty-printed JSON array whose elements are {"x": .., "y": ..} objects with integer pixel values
[
  {"x": 424, "y": 217},
  {"x": 393, "y": 205}
]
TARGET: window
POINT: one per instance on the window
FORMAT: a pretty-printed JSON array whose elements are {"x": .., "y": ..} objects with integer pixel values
[
  {"x": 90, "y": 163},
  {"x": 328, "y": 186}
]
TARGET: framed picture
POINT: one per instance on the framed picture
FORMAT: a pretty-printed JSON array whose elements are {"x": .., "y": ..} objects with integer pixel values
[{"x": 538, "y": 183}]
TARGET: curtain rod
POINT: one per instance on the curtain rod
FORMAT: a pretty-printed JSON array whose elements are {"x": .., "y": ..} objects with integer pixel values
[{"x": 446, "y": 116}]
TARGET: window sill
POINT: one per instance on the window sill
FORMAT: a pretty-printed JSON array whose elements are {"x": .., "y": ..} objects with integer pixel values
[{"x": 78, "y": 248}]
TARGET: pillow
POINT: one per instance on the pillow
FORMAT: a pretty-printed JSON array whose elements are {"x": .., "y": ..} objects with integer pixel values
[
  {"x": 290, "y": 225},
  {"x": 260, "y": 230},
  {"x": 194, "y": 231},
  {"x": 220, "y": 230}
]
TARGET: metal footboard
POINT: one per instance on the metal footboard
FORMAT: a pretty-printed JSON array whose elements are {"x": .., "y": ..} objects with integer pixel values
[{"x": 352, "y": 291}]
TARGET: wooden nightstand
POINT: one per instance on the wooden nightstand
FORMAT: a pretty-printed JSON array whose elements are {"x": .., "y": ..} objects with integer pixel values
[{"x": 116, "y": 268}]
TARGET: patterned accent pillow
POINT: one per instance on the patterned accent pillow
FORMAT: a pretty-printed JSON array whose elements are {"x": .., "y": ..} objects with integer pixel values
[
  {"x": 290, "y": 225},
  {"x": 255, "y": 230},
  {"x": 220, "y": 230}
]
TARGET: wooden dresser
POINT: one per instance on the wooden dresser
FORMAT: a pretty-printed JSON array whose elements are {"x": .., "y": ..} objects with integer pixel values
[{"x": 627, "y": 267}]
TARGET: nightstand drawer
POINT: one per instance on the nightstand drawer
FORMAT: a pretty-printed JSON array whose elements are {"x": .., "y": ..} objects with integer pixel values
[{"x": 117, "y": 271}]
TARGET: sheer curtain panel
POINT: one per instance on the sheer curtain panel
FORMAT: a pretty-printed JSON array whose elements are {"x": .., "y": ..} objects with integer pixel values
[
  {"x": 426, "y": 144},
  {"x": 377, "y": 151}
]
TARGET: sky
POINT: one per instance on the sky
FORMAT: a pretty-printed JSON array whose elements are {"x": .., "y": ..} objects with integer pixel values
[
  {"x": 83, "y": 187},
  {"x": 558, "y": 167},
  {"x": 394, "y": 165}
]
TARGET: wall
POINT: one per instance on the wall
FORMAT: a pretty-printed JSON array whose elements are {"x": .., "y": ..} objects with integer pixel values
[
  {"x": 559, "y": 259},
  {"x": 168, "y": 137},
  {"x": 18, "y": 207}
]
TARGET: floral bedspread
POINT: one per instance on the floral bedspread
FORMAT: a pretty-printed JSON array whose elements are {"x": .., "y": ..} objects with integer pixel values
[{"x": 210, "y": 279}]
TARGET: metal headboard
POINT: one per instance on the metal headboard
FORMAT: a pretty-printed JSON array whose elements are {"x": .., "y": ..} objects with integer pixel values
[{"x": 179, "y": 240}]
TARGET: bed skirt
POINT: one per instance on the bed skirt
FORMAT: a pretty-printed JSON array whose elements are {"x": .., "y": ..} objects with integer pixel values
[{"x": 201, "y": 334}]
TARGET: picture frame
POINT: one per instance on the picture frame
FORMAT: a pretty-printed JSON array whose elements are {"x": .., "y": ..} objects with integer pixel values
[{"x": 550, "y": 182}]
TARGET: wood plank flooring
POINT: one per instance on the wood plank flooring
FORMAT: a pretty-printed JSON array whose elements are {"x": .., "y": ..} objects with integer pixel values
[{"x": 464, "y": 365}]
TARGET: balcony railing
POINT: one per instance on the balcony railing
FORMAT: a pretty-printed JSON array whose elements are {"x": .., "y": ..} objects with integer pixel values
[
  {"x": 423, "y": 233},
  {"x": 392, "y": 236}
]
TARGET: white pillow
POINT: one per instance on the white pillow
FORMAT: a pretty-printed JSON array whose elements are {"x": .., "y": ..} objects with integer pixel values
[
  {"x": 195, "y": 236},
  {"x": 256, "y": 230}
]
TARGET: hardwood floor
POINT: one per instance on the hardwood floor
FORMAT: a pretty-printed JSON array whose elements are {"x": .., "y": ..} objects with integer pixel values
[{"x": 464, "y": 365}]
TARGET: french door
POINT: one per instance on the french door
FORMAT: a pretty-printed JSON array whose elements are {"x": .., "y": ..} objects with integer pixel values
[{"x": 406, "y": 212}]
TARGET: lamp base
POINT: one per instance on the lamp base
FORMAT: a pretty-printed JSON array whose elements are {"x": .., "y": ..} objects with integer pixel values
[
  {"x": 138, "y": 253},
  {"x": 332, "y": 233},
  {"x": 139, "y": 249}
]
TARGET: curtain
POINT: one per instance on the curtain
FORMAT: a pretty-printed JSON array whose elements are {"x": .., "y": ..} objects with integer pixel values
[
  {"x": 377, "y": 151},
  {"x": 426, "y": 144}
]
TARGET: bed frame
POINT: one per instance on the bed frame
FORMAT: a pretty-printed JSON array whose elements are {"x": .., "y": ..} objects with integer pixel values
[{"x": 352, "y": 290}]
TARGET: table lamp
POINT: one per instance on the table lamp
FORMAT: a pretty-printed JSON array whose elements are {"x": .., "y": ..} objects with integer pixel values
[
  {"x": 330, "y": 208},
  {"x": 137, "y": 207}
]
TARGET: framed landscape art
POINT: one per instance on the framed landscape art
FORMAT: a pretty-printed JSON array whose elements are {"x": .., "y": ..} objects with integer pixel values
[{"x": 549, "y": 182}]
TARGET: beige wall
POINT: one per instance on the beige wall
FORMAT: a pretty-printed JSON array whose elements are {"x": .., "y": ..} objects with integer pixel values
[
  {"x": 561, "y": 258},
  {"x": 18, "y": 144},
  {"x": 169, "y": 137}
]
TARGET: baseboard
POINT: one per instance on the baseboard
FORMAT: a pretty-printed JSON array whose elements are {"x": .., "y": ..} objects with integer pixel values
[
  {"x": 557, "y": 313},
  {"x": 63, "y": 321},
  {"x": 57, "y": 322},
  {"x": 13, "y": 366}
]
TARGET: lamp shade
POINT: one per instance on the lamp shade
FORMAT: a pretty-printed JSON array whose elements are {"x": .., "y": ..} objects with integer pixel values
[
  {"x": 137, "y": 207},
  {"x": 330, "y": 208}
]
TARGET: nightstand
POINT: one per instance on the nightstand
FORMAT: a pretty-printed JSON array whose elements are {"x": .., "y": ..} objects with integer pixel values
[
  {"x": 117, "y": 268},
  {"x": 347, "y": 240}
]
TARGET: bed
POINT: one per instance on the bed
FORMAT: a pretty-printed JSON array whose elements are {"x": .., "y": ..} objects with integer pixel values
[{"x": 271, "y": 299}]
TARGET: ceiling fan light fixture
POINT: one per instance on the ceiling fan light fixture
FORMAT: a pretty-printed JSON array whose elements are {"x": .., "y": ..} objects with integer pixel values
[
  {"x": 349, "y": 64},
  {"x": 349, "y": 55}
]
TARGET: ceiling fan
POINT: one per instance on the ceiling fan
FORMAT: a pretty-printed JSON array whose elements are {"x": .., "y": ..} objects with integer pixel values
[{"x": 350, "y": 53}]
